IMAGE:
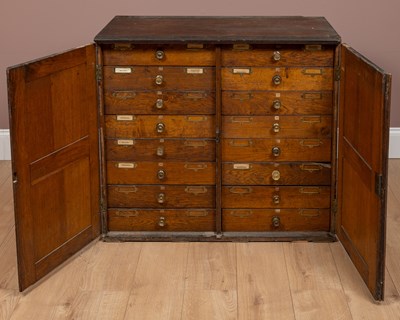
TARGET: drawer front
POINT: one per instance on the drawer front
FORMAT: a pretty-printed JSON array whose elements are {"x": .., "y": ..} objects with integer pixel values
[
  {"x": 161, "y": 220},
  {"x": 160, "y": 149},
  {"x": 135, "y": 196},
  {"x": 276, "y": 126},
  {"x": 310, "y": 174},
  {"x": 159, "y": 78},
  {"x": 196, "y": 173},
  {"x": 160, "y": 55},
  {"x": 276, "y": 197},
  {"x": 255, "y": 78},
  {"x": 130, "y": 126},
  {"x": 276, "y": 150},
  {"x": 275, "y": 220},
  {"x": 259, "y": 55},
  {"x": 276, "y": 103},
  {"x": 159, "y": 102}
]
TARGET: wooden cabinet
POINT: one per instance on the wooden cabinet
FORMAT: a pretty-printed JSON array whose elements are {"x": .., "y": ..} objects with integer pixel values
[{"x": 204, "y": 128}]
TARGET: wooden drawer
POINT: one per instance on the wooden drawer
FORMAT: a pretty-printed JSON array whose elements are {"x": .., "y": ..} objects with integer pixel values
[
  {"x": 276, "y": 103},
  {"x": 159, "y": 55},
  {"x": 275, "y": 220},
  {"x": 159, "y": 102},
  {"x": 276, "y": 126},
  {"x": 264, "y": 55},
  {"x": 276, "y": 197},
  {"x": 170, "y": 78},
  {"x": 148, "y": 196},
  {"x": 308, "y": 174},
  {"x": 161, "y": 220},
  {"x": 196, "y": 173},
  {"x": 160, "y": 149},
  {"x": 256, "y": 78},
  {"x": 151, "y": 126},
  {"x": 286, "y": 150}
]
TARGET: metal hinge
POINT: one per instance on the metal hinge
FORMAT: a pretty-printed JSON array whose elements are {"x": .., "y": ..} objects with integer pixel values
[
  {"x": 334, "y": 206},
  {"x": 99, "y": 73},
  {"x": 337, "y": 73},
  {"x": 379, "y": 190}
]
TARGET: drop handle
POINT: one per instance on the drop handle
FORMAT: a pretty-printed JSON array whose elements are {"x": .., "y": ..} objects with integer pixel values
[
  {"x": 161, "y": 222},
  {"x": 276, "y": 221},
  {"x": 276, "y": 79},
  {"x": 160, "y": 151},
  {"x": 159, "y": 79},
  {"x": 160, "y": 127},
  {"x": 159, "y": 103},
  {"x": 276, "y": 151},
  {"x": 276, "y": 127},
  {"x": 161, "y": 174},
  {"x": 276, "y": 104},
  {"x": 161, "y": 198},
  {"x": 276, "y": 175},
  {"x": 276, "y": 56},
  {"x": 160, "y": 54},
  {"x": 276, "y": 199}
]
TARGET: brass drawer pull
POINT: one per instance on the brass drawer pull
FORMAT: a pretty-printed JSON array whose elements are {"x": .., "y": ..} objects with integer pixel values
[
  {"x": 160, "y": 54},
  {"x": 241, "y": 119},
  {"x": 276, "y": 199},
  {"x": 310, "y": 190},
  {"x": 276, "y": 56},
  {"x": 159, "y": 80},
  {"x": 126, "y": 165},
  {"x": 276, "y": 151},
  {"x": 161, "y": 222},
  {"x": 240, "y": 143},
  {"x": 161, "y": 174},
  {"x": 276, "y": 127},
  {"x": 196, "y": 213},
  {"x": 195, "y": 166},
  {"x": 161, "y": 198},
  {"x": 241, "y": 213},
  {"x": 311, "y": 119},
  {"x": 311, "y": 143},
  {"x": 195, "y": 143},
  {"x": 127, "y": 189},
  {"x": 196, "y": 118},
  {"x": 277, "y": 104},
  {"x": 127, "y": 213},
  {"x": 123, "y": 70},
  {"x": 241, "y": 190},
  {"x": 309, "y": 212},
  {"x": 310, "y": 167},
  {"x": 276, "y": 175},
  {"x": 124, "y": 95},
  {"x": 277, "y": 79},
  {"x": 160, "y": 127},
  {"x": 276, "y": 221},
  {"x": 160, "y": 151},
  {"x": 159, "y": 103},
  {"x": 195, "y": 190}
]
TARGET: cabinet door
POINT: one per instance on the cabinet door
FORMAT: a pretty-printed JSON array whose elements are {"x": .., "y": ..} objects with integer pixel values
[
  {"x": 53, "y": 121},
  {"x": 362, "y": 165}
]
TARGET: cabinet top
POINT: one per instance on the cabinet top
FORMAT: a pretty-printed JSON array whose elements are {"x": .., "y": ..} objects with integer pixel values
[{"x": 263, "y": 30}]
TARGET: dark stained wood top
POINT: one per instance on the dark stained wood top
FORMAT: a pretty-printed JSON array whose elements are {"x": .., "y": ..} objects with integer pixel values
[{"x": 266, "y": 30}]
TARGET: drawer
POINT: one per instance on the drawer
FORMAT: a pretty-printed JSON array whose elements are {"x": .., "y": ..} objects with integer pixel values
[
  {"x": 256, "y": 78},
  {"x": 263, "y": 55},
  {"x": 276, "y": 126},
  {"x": 159, "y": 78},
  {"x": 148, "y": 196},
  {"x": 276, "y": 150},
  {"x": 161, "y": 220},
  {"x": 276, "y": 103},
  {"x": 159, "y": 102},
  {"x": 196, "y": 173},
  {"x": 160, "y": 149},
  {"x": 159, "y": 55},
  {"x": 276, "y": 197},
  {"x": 275, "y": 220},
  {"x": 300, "y": 173},
  {"x": 151, "y": 126}
]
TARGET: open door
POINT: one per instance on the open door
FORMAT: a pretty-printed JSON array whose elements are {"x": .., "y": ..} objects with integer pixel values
[
  {"x": 54, "y": 142},
  {"x": 362, "y": 165}
]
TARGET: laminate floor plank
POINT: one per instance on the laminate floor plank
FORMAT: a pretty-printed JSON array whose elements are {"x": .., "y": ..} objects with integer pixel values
[
  {"x": 263, "y": 284},
  {"x": 158, "y": 287},
  {"x": 5, "y": 170},
  {"x": 315, "y": 285},
  {"x": 8, "y": 263},
  {"x": 210, "y": 282},
  {"x": 359, "y": 298},
  {"x": 6, "y": 209},
  {"x": 8, "y": 301}
]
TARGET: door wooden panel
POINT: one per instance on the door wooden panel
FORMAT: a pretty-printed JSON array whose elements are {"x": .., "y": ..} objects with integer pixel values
[
  {"x": 55, "y": 159},
  {"x": 362, "y": 161}
]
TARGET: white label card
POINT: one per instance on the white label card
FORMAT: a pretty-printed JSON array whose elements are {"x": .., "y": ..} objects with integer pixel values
[
  {"x": 195, "y": 70},
  {"x": 123, "y": 70}
]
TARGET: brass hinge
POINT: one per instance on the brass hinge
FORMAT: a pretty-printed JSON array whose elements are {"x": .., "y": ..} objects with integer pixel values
[
  {"x": 337, "y": 73},
  {"x": 99, "y": 73},
  {"x": 379, "y": 190}
]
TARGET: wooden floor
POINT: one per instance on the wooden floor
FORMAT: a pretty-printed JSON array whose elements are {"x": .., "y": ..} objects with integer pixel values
[{"x": 201, "y": 280}]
